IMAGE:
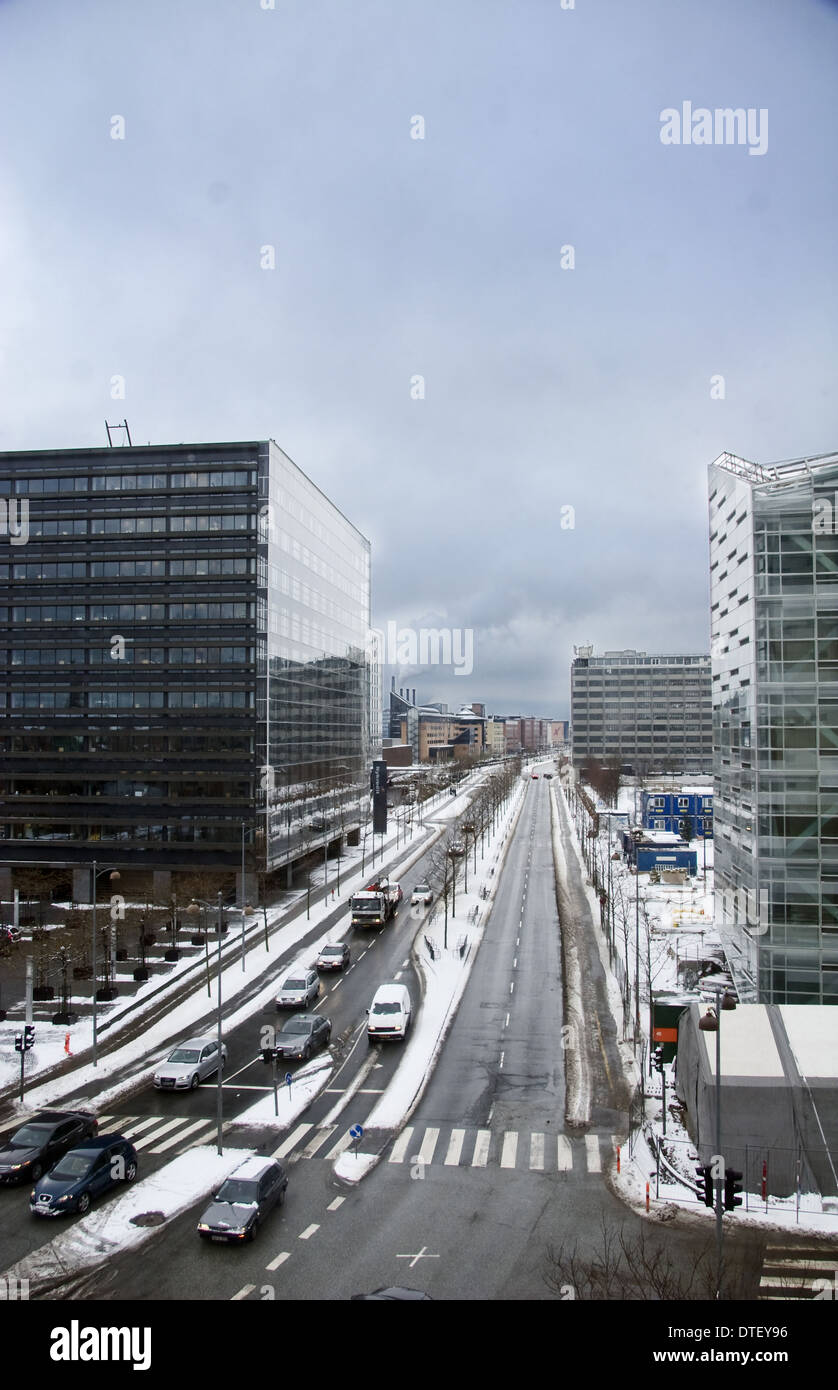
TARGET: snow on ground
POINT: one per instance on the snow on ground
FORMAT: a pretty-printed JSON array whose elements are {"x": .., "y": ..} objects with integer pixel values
[
  {"x": 110, "y": 1230},
  {"x": 444, "y": 980}
]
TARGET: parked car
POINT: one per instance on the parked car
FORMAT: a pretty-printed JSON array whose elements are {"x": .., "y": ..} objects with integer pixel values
[
  {"x": 243, "y": 1200},
  {"x": 11, "y": 935},
  {"x": 82, "y": 1174},
  {"x": 299, "y": 1037},
  {"x": 38, "y": 1144},
  {"x": 190, "y": 1064},
  {"x": 548, "y": 776},
  {"x": 535, "y": 776},
  {"x": 335, "y": 956},
  {"x": 389, "y": 1013},
  {"x": 421, "y": 894},
  {"x": 298, "y": 991}
]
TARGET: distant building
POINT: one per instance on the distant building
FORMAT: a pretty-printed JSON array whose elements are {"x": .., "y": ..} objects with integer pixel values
[
  {"x": 666, "y": 810},
  {"x": 647, "y": 713}
]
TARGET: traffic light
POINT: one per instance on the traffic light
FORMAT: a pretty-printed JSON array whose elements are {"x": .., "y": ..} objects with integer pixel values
[
  {"x": 657, "y": 1059},
  {"x": 705, "y": 1184},
  {"x": 733, "y": 1185},
  {"x": 28, "y": 1036}
]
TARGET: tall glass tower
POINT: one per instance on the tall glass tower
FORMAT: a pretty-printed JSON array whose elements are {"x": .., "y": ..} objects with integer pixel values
[{"x": 774, "y": 650}]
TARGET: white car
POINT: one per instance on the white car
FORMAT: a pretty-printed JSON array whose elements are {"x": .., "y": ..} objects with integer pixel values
[
  {"x": 389, "y": 1013},
  {"x": 421, "y": 894},
  {"x": 299, "y": 991},
  {"x": 189, "y": 1064}
]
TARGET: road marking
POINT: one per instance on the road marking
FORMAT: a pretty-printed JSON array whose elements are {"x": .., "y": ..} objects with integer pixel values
[
  {"x": 338, "y": 1148},
  {"x": 420, "y": 1255},
  {"x": 502, "y": 1055},
  {"x": 511, "y": 986},
  {"x": 177, "y": 1138},
  {"x": 537, "y": 1152},
  {"x": 506, "y": 1023},
  {"x": 397, "y": 975},
  {"x": 515, "y": 963},
  {"x": 592, "y": 1149},
  {"x": 480, "y": 1156},
  {"x": 565, "y": 1158},
  {"x": 405, "y": 963},
  {"x": 279, "y": 1260},
  {"x": 318, "y": 1141},
  {"x": 309, "y": 1231},
  {"x": 455, "y": 1146},
  {"x": 338, "y": 1202},
  {"x": 370, "y": 1091},
  {"x": 157, "y": 1133},
  {"x": 129, "y": 1130},
  {"x": 335, "y": 986},
  {"x": 287, "y": 1145},
  {"x": 426, "y": 1151},
  {"x": 401, "y": 1145},
  {"x": 510, "y": 1149},
  {"x": 242, "y": 1293}
]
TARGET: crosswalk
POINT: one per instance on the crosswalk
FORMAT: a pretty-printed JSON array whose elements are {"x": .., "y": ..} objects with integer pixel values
[
  {"x": 155, "y": 1134},
  {"x": 792, "y": 1272}
]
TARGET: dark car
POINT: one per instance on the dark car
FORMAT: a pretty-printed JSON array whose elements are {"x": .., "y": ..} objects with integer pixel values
[
  {"x": 84, "y": 1173},
  {"x": 393, "y": 1294},
  {"x": 333, "y": 957},
  {"x": 243, "y": 1200},
  {"x": 38, "y": 1144},
  {"x": 299, "y": 1037}
]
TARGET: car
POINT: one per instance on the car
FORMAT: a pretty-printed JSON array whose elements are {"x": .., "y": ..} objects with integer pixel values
[
  {"x": 389, "y": 1013},
  {"x": 38, "y": 1144},
  {"x": 243, "y": 1200},
  {"x": 190, "y": 1064},
  {"x": 421, "y": 894},
  {"x": 535, "y": 776},
  {"x": 335, "y": 956},
  {"x": 82, "y": 1174},
  {"x": 299, "y": 991},
  {"x": 299, "y": 1037},
  {"x": 548, "y": 776},
  {"x": 392, "y": 1294},
  {"x": 11, "y": 935}
]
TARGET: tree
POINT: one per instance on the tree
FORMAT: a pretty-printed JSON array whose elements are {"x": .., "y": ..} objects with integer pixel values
[{"x": 686, "y": 827}]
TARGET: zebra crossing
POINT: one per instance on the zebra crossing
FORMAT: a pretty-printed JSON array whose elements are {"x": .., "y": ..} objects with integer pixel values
[
  {"x": 792, "y": 1272},
  {"x": 155, "y": 1134}
]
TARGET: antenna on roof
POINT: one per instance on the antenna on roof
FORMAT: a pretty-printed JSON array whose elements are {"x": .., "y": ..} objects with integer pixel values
[{"x": 123, "y": 426}]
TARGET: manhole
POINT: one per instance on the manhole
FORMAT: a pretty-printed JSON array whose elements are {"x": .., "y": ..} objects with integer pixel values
[{"x": 148, "y": 1218}]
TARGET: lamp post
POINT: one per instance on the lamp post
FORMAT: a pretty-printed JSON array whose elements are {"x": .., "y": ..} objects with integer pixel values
[
  {"x": 114, "y": 875},
  {"x": 246, "y": 911},
  {"x": 711, "y": 1023},
  {"x": 637, "y": 836},
  {"x": 195, "y": 906}
]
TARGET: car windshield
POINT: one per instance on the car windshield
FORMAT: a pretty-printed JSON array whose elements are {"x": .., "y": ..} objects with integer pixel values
[
  {"x": 294, "y": 984},
  {"x": 184, "y": 1054},
  {"x": 297, "y": 1025},
  {"x": 73, "y": 1165},
  {"x": 421, "y": 888},
  {"x": 387, "y": 1006},
  {"x": 31, "y": 1136},
  {"x": 237, "y": 1190},
  {"x": 332, "y": 951}
]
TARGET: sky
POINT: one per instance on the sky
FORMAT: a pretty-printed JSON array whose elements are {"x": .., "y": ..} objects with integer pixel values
[{"x": 507, "y": 350}]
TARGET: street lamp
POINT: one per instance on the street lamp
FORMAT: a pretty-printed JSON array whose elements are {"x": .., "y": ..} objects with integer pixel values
[
  {"x": 246, "y": 911},
  {"x": 711, "y": 1023},
  {"x": 193, "y": 908},
  {"x": 114, "y": 875},
  {"x": 637, "y": 836}
]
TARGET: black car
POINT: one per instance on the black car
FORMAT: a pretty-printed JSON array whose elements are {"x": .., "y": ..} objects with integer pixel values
[
  {"x": 84, "y": 1173},
  {"x": 39, "y": 1144},
  {"x": 393, "y": 1294},
  {"x": 299, "y": 1037},
  {"x": 243, "y": 1200}
]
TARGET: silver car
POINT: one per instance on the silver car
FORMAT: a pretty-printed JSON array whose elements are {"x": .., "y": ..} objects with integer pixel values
[
  {"x": 299, "y": 991},
  {"x": 190, "y": 1064}
]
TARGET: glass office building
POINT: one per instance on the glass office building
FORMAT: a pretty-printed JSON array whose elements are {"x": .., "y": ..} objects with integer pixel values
[
  {"x": 774, "y": 627},
  {"x": 185, "y": 631}
]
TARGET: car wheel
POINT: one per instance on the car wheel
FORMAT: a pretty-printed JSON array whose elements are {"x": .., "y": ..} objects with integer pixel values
[
  {"x": 281, "y": 1198},
  {"x": 251, "y": 1235},
  {"x": 37, "y": 1170},
  {"x": 83, "y": 1203},
  {"x": 328, "y": 1036},
  {"x": 130, "y": 1172},
  {"x": 193, "y": 1085},
  {"x": 306, "y": 1052}
]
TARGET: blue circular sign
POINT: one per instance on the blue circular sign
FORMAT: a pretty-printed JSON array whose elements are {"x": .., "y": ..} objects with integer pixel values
[
  {"x": 356, "y": 1131},
  {"x": 288, "y": 1078}
]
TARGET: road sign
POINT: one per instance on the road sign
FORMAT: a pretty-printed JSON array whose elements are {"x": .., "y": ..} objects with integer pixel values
[{"x": 356, "y": 1131}]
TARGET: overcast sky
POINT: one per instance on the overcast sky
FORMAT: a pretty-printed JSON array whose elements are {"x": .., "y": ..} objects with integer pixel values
[{"x": 588, "y": 387}]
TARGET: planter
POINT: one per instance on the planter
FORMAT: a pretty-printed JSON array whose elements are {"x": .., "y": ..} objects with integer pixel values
[
  {"x": 150, "y": 937},
  {"x": 172, "y": 954},
  {"x": 42, "y": 992},
  {"x": 106, "y": 994},
  {"x": 82, "y": 972},
  {"x": 65, "y": 1017},
  {"x": 122, "y": 953},
  {"x": 196, "y": 940},
  {"x": 141, "y": 973}
]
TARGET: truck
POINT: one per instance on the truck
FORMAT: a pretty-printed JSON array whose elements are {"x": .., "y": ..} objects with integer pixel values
[{"x": 375, "y": 904}]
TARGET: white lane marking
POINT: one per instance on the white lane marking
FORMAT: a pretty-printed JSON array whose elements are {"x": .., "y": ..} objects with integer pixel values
[
  {"x": 506, "y": 1024},
  {"x": 426, "y": 1150},
  {"x": 309, "y": 1231},
  {"x": 129, "y": 1130},
  {"x": 242, "y": 1293},
  {"x": 455, "y": 1146},
  {"x": 317, "y": 1142},
  {"x": 511, "y": 986},
  {"x": 398, "y": 975},
  {"x": 336, "y": 985},
  {"x": 401, "y": 1145},
  {"x": 481, "y": 1148},
  {"x": 279, "y": 1260},
  {"x": 510, "y": 1149},
  {"x": 293, "y": 1138},
  {"x": 405, "y": 963},
  {"x": 338, "y": 1148},
  {"x": 177, "y": 1138},
  {"x": 517, "y": 940},
  {"x": 565, "y": 1155},
  {"x": 592, "y": 1149},
  {"x": 537, "y": 1152},
  {"x": 156, "y": 1134},
  {"x": 515, "y": 963},
  {"x": 338, "y": 1202},
  {"x": 502, "y": 1055}
]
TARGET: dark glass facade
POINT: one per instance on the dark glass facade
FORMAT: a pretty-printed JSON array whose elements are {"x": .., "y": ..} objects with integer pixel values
[{"x": 185, "y": 653}]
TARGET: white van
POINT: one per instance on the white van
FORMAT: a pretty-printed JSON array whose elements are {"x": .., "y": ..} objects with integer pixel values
[{"x": 389, "y": 1013}]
